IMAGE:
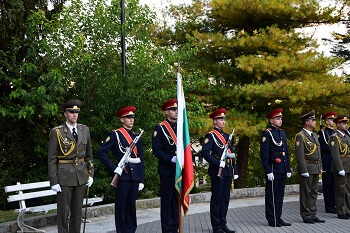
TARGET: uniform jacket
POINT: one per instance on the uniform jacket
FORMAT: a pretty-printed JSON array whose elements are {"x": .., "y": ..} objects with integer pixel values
[
  {"x": 164, "y": 148},
  {"x": 308, "y": 153},
  {"x": 212, "y": 150},
  {"x": 339, "y": 146},
  {"x": 271, "y": 148},
  {"x": 323, "y": 138},
  {"x": 72, "y": 174},
  {"x": 117, "y": 143}
]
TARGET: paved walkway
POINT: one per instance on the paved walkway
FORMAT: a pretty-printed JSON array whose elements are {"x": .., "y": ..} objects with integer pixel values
[{"x": 244, "y": 215}]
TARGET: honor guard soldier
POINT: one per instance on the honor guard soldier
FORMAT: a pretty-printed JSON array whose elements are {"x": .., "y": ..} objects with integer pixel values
[
  {"x": 339, "y": 144},
  {"x": 164, "y": 148},
  {"x": 212, "y": 150},
  {"x": 328, "y": 183},
  {"x": 131, "y": 177},
  {"x": 275, "y": 160},
  {"x": 308, "y": 154},
  {"x": 70, "y": 167}
]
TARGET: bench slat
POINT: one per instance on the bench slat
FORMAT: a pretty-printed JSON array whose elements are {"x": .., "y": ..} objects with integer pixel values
[
  {"x": 25, "y": 196},
  {"x": 21, "y": 187}
]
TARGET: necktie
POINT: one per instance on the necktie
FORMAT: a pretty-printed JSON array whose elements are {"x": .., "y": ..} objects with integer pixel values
[{"x": 75, "y": 135}]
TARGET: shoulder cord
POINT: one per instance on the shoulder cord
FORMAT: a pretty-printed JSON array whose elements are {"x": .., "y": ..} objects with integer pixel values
[
  {"x": 324, "y": 136},
  {"x": 311, "y": 151},
  {"x": 60, "y": 140},
  {"x": 221, "y": 146},
  {"x": 343, "y": 147},
  {"x": 121, "y": 148},
  {"x": 167, "y": 136},
  {"x": 273, "y": 140}
]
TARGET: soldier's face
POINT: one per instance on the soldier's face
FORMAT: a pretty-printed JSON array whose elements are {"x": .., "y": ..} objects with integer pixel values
[
  {"x": 342, "y": 125},
  {"x": 330, "y": 122},
  {"x": 71, "y": 117},
  {"x": 276, "y": 121},
  {"x": 171, "y": 114},
  {"x": 128, "y": 122},
  {"x": 219, "y": 123},
  {"x": 311, "y": 124}
]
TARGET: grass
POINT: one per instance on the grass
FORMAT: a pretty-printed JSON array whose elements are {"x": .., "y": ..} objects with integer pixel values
[{"x": 10, "y": 215}]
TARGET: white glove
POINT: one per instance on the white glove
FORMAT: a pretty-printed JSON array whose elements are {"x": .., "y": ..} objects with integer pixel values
[
  {"x": 235, "y": 177},
  {"x": 90, "y": 181},
  {"x": 222, "y": 164},
  {"x": 56, "y": 188},
  {"x": 141, "y": 186},
  {"x": 173, "y": 159},
  {"x": 289, "y": 174},
  {"x": 118, "y": 170},
  {"x": 342, "y": 173},
  {"x": 305, "y": 174},
  {"x": 270, "y": 176}
]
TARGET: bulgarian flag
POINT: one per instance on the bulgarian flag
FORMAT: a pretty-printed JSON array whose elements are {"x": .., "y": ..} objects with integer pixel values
[{"x": 184, "y": 178}]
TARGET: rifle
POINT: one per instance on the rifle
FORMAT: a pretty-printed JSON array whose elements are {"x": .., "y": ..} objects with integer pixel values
[
  {"x": 226, "y": 155},
  {"x": 321, "y": 122},
  {"x": 126, "y": 159}
]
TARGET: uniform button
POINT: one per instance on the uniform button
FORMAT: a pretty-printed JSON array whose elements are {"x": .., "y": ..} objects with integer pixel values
[{"x": 131, "y": 169}]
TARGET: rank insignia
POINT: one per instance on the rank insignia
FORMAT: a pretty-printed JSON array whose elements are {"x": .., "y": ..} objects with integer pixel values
[
  {"x": 108, "y": 138},
  {"x": 263, "y": 139},
  {"x": 297, "y": 143},
  {"x": 206, "y": 140},
  {"x": 155, "y": 133},
  {"x": 332, "y": 143}
]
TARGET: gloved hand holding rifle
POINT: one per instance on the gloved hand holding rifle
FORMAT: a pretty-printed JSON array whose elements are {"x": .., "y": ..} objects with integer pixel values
[
  {"x": 225, "y": 154},
  {"x": 125, "y": 160}
]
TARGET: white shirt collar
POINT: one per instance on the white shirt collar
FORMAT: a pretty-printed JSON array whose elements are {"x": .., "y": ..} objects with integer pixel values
[
  {"x": 342, "y": 134},
  {"x": 309, "y": 132},
  {"x": 71, "y": 127}
]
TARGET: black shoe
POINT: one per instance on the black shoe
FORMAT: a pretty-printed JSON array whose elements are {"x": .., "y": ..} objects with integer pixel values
[
  {"x": 273, "y": 224},
  {"x": 309, "y": 220},
  {"x": 218, "y": 231},
  {"x": 284, "y": 224},
  {"x": 348, "y": 215},
  {"x": 331, "y": 211},
  {"x": 226, "y": 230},
  {"x": 343, "y": 216},
  {"x": 318, "y": 220}
]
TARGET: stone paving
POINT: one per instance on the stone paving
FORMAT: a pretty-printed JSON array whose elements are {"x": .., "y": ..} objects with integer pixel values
[{"x": 244, "y": 215}]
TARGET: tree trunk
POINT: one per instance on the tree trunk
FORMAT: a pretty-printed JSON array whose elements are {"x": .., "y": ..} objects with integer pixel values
[{"x": 242, "y": 162}]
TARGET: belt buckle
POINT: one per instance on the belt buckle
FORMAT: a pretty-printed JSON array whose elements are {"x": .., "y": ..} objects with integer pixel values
[{"x": 76, "y": 161}]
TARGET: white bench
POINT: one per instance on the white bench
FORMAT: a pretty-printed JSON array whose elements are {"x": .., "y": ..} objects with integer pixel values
[{"x": 31, "y": 193}]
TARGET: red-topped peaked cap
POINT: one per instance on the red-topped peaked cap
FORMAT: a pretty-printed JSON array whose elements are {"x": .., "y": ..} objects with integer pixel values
[
  {"x": 169, "y": 104},
  {"x": 275, "y": 113},
  {"x": 126, "y": 111},
  {"x": 329, "y": 115},
  {"x": 341, "y": 118},
  {"x": 218, "y": 113}
]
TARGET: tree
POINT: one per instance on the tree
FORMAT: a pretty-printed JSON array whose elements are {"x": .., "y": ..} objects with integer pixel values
[{"x": 255, "y": 60}]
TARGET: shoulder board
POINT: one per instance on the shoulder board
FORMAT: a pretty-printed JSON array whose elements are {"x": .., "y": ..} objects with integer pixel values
[
  {"x": 281, "y": 129},
  {"x": 268, "y": 129},
  {"x": 114, "y": 130},
  {"x": 160, "y": 123},
  {"x": 136, "y": 133},
  {"x": 58, "y": 127}
]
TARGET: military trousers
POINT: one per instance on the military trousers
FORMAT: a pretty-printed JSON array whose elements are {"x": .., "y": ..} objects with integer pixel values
[
  {"x": 220, "y": 197},
  {"x": 308, "y": 196},
  {"x": 70, "y": 201},
  {"x": 328, "y": 187},
  {"x": 169, "y": 212},
  {"x": 125, "y": 206},
  {"x": 274, "y": 194},
  {"x": 342, "y": 193}
]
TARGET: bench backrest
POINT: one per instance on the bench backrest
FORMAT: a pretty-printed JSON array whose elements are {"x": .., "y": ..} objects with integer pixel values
[{"x": 21, "y": 197}]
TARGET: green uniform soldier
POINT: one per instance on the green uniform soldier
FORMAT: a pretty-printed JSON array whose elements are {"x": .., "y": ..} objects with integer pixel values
[
  {"x": 70, "y": 167},
  {"x": 308, "y": 154},
  {"x": 339, "y": 145}
]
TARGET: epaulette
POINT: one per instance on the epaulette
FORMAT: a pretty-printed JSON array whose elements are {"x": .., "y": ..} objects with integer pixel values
[
  {"x": 58, "y": 127},
  {"x": 268, "y": 129},
  {"x": 114, "y": 130},
  {"x": 160, "y": 123}
]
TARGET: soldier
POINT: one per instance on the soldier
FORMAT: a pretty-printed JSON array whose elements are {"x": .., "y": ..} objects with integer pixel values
[
  {"x": 308, "y": 154},
  {"x": 164, "y": 148},
  {"x": 212, "y": 150},
  {"x": 132, "y": 177},
  {"x": 275, "y": 159},
  {"x": 70, "y": 167},
  {"x": 328, "y": 183},
  {"x": 340, "y": 151}
]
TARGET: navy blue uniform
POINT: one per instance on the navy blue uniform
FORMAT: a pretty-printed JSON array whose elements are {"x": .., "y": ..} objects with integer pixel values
[
  {"x": 126, "y": 192},
  {"x": 273, "y": 145},
  {"x": 220, "y": 187},
  {"x": 164, "y": 148},
  {"x": 328, "y": 182}
]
